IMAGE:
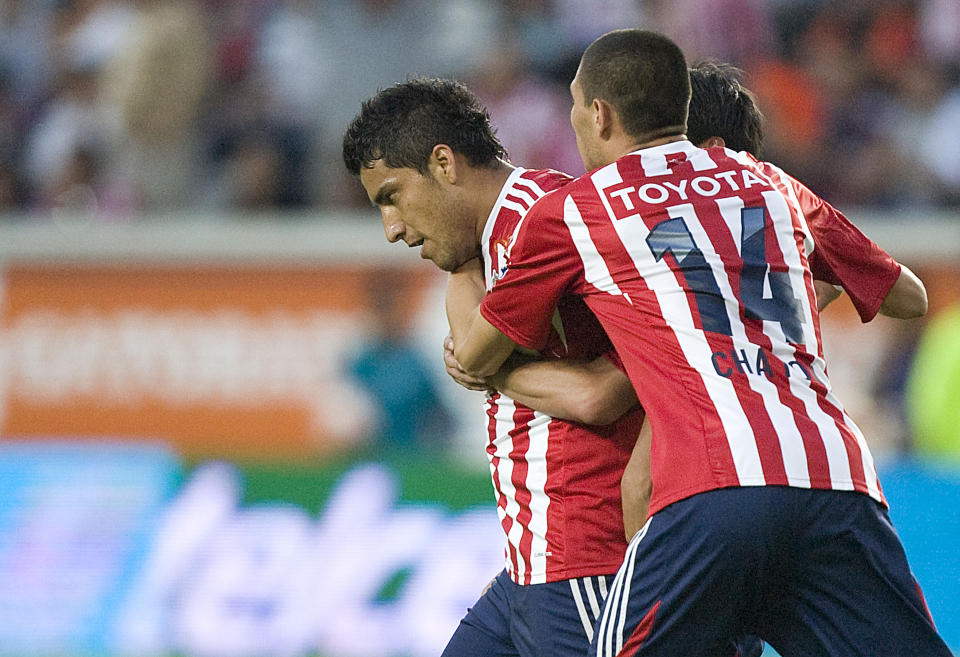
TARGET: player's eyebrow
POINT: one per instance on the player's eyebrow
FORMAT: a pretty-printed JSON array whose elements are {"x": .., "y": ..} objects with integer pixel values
[{"x": 385, "y": 190}]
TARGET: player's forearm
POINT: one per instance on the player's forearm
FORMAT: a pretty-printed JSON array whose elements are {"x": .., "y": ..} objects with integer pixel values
[
  {"x": 589, "y": 392},
  {"x": 483, "y": 348},
  {"x": 636, "y": 485},
  {"x": 465, "y": 290},
  {"x": 907, "y": 298}
]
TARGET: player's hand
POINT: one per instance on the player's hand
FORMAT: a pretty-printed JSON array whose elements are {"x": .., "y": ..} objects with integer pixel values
[{"x": 456, "y": 373}]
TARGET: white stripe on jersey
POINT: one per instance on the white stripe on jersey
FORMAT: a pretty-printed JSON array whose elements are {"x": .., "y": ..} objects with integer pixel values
[
  {"x": 539, "y": 434},
  {"x": 524, "y": 194},
  {"x": 504, "y": 445},
  {"x": 513, "y": 205},
  {"x": 779, "y": 214},
  {"x": 537, "y": 193},
  {"x": 594, "y": 268},
  {"x": 869, "y": 468},
  {"x": 792, "y": 449},
  {"x": 655, "y": 163},
  {"x": 633, "y": 232},
  {"x": 538, "y": 430},
  {"x": 535, "y": 189},
  {"x": 808, "y": 244},
  {"x": 837, "y": 458}
]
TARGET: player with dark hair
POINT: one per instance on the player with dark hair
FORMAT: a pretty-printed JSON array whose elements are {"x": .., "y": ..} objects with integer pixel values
[
  {"x": 721, "y": 108},
  {"x": 766, "y": 514},
  {"x": 723, "y": 113},
  {"x": 429, "y": 160},
  {"x": 398, "y": 123}
]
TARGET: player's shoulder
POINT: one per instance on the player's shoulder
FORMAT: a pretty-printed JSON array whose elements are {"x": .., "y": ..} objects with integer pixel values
[{"x": 544, "y": 180}]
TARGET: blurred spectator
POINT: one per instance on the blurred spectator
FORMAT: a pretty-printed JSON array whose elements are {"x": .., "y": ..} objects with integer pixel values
[
  {"x": 156, "y": 85},
  {"x": 735, "y": 31},
  {"x": 260, "y": 167},
  {"x": 517, "y": 101},
  {"x": 72, "y": 128},
  {"x": 165, "y": 99},
  {"x": 392, "y": 369}
]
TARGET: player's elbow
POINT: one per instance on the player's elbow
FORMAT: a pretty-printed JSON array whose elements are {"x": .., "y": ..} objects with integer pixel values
[
  {"x": 603, "y": 403},
  {"x": 907, "y": 299},
  {"x": 596, "y": 409},
  {"x": 475, "y": 364},
  {"x": 916, "y": 306}
]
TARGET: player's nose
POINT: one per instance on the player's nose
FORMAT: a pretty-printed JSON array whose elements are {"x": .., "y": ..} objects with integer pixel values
[{"x": 393, "y": 228}]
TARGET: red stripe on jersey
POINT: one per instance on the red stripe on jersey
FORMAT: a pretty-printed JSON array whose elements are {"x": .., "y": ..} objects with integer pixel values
[
  {"x": 854, "y": 454},
  {"x": 702, "y": 416},
  {"x": 519, "y": 200},
  {"x": 506, "y": 521},
  {"x": 521, "y": 443},
  {"x": 560, "y": 503},
  {"x": 720, "y": 467}
]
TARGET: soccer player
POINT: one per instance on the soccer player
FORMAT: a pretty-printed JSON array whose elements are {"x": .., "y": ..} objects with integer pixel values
[
  {"x": 723, "y": 113},
  {"x": 766, "y": 513},
  {"x": 428, "y": 159}
]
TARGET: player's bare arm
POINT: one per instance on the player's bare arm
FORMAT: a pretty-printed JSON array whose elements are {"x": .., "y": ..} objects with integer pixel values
[
  {"x": 589, "y": 392},
  {"x": 636, "y": 486},
  {"x": 907, "y": 298},
  {"x": 465, "y": 290},
  {"x": 483, "y": 348}
]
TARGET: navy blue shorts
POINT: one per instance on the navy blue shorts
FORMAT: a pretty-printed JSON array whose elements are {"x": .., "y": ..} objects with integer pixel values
[
  {"x": 556, "y": 619},
  {"x": 552, "y": 619},
  {"x": 814, "y": 573}
]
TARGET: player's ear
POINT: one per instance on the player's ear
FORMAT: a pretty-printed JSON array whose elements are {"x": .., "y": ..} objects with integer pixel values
[
  {"x": 604, "y": 117},
  {"x": 710, "y": 142},
  {"x": 442, "y": 164}
]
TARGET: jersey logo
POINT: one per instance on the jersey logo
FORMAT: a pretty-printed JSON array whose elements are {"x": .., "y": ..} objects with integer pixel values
[{"x": 501, "y": 254}]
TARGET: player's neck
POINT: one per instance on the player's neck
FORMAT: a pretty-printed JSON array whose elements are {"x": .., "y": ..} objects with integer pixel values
[
  {"x": 489, "y": 181},
  {"x": 659, "y": 137}
]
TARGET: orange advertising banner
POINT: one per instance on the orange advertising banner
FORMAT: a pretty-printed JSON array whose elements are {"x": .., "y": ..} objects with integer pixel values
[
  {"x": 217, "y": 360},
  {"x": 250, "y": 362}
]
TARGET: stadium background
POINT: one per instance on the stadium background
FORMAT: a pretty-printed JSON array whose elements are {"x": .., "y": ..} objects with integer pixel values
[{"x": 226, "y": 429}]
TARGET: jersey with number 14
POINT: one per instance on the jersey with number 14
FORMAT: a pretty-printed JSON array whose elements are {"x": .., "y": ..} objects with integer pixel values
[{"x": 696, "y": 265}]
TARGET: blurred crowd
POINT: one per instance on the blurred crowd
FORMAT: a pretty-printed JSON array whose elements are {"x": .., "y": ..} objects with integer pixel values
[{"x": 120, "y": 108}]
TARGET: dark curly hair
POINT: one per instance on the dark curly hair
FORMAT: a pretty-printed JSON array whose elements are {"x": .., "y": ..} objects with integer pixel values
[{"x": 402, "y": 124}]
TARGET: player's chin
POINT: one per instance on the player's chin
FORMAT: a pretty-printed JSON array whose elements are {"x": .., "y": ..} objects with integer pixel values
[{"x": 445, "y": 261}]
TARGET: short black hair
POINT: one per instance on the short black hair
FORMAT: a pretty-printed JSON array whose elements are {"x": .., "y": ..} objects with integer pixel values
[
  {"x": 402, "y": 124},
  {"x": 643, "y": 75},
  {"x": 722, "y": 107}
]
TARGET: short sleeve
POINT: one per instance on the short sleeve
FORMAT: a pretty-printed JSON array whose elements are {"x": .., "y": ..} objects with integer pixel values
[
  {"x": 844, "y": 256},
  {"x": 614, "y": 358},
  {"x": 541, "y": 267}
]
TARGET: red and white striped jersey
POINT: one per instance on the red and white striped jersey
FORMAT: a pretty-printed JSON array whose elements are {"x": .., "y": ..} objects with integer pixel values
[
  {"x": 557, "y": 482},
  {"x": 839, "y": 253},
  {"x": 696, "y": 265}
]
